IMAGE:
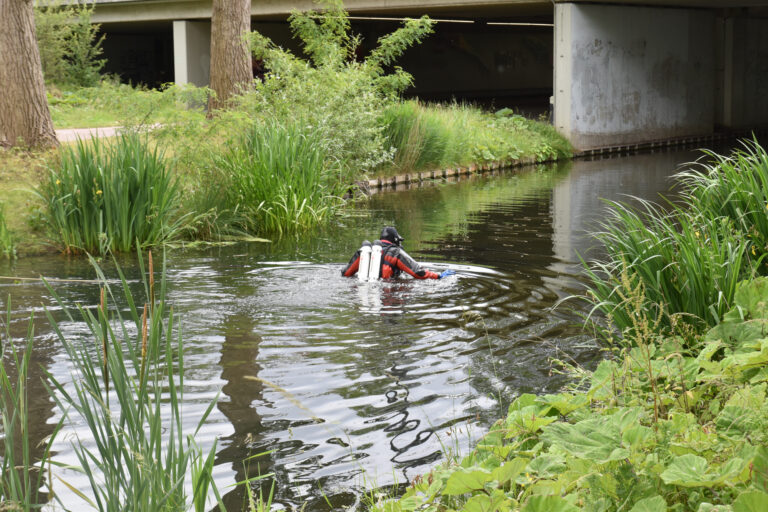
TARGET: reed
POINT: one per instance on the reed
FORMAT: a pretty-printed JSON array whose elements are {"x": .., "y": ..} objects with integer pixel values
[
  {"x": 127, "y": 389},
  {"x": 280, "y": 179},
  {"x": 685, "y": 266},
  {"x": 111, "y": 196},
  {"x": 23, "y": 482}
]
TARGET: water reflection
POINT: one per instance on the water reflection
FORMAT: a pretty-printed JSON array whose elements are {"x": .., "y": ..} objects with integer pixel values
[{"x": 350, "y": 384}]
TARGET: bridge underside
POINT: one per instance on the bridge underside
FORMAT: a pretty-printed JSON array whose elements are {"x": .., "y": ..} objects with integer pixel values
[{"x": 617, "y": 73}]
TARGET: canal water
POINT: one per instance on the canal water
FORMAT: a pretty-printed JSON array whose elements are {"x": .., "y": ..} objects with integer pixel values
[{"x": 351, "y": 385}]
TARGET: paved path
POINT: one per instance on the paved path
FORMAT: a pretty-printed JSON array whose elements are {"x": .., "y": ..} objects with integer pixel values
[{"x": 72, "y": 134}]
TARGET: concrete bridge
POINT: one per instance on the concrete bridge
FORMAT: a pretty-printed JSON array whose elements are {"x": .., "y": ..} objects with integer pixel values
[{"x": 611, "y": 71}]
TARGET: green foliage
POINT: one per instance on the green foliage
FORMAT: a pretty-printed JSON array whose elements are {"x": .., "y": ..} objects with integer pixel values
[
  {"x": 657, "y": 428},
  {"x": 127, "y": 388},
  {"x": 69, "y": 43},
  {"x": 23, "y": 482},
  {"x": 280, "y": 178},
  {"x": 666, "y": 267},
  {"x": 110, "y": 196},
  {"x": 439, "y": 136},
  {"x": 333, "y": 92},
  {"x": 734, "y": 186},
  {"x": 7, "y": 244}
]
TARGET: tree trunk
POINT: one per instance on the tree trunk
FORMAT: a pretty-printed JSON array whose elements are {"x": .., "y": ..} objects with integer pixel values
[
  {"x": 24, "y": 115},
  {"x": 230, "y": 58}
]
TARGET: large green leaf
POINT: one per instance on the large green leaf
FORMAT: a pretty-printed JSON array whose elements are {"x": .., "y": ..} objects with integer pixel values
[
  {"x": 565, "y": 403},
  {"x": 510, "y": 470},
  {"x": 598, "y": 439},
  {"x": 693, "y": 471},
  {"x": 548, "y": 504},
  {"x": 463, "y": 481},
  {"x": 546, "y": 465},
  {"x": 528, "y": 420},
  {"x": 652, "y": 504},
  {"x": 752, "y": 501}
]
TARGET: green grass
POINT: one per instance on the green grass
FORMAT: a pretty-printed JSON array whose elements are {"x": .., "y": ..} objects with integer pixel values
[
  {"x": 438, "y": 136},
  {"x": 110, "y": 196},
  {"x": 280, "y": 178}
]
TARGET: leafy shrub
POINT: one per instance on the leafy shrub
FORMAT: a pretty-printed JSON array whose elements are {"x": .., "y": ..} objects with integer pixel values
[
  {"x": 280, "y": 178},
  {"x": 332, "y": 92},
  {"x": 658, "y": 428},
  {"x": 69, "y": 43},
  {"x": 110, "y": 196}
]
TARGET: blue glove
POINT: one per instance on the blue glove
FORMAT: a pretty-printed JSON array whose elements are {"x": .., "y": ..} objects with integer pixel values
[{"x": 447, "y": 273}]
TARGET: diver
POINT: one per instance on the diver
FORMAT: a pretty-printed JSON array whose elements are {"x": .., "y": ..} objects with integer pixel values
[{"x": 394, "y": 260}]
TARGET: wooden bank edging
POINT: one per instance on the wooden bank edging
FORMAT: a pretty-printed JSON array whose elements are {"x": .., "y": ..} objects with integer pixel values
[{"x": 452, "y": 174}]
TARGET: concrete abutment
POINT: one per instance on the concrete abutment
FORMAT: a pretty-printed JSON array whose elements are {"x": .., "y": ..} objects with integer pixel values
[{"x": 629, "y": 74}]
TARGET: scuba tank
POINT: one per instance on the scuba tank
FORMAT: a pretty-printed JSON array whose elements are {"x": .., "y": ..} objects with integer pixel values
[
  {"x": 365, "y": 261},
  {"x": 375, "y": 268}
]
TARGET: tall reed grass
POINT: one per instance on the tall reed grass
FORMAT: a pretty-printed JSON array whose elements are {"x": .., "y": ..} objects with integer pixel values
[
  {"x": 7, "y": 244},
  {"x": 279, "y": 178},
  {"x": 127, "y": 388},
  {"x": 25, "y": 468},
  {"x": 110, "y": 196},
  {"x": 683, "y": 268},
  {"x": 734, "y": 186}
]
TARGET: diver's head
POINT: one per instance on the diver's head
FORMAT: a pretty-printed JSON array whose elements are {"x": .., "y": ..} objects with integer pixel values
[{"x": 390, "y": 234}]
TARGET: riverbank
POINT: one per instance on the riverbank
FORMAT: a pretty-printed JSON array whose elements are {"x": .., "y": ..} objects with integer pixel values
[
  {"x": 207, "y": 210},
  {"x": 674, "y": 418}
]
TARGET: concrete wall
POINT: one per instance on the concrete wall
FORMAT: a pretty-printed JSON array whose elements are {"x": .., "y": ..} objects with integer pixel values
[
  {"x": 745, "y": 89},
  {"x": 192, "y": 52},
  {"x": 632, "y": 74}
]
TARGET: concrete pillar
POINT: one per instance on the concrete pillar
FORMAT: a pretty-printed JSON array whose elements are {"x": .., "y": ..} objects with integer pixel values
[
  {"x": 626, "y": 74},
  {"x": 745, "y": 72},
  {"x": 192, "y": 52}
]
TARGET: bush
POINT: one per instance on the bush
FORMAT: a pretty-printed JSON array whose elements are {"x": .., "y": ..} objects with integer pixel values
[
  {"x": 333, "y": 92},
  {"x": 280, "y": 178},
  {"x": 69, "y": 43},
  {"x": 110, "y": 196}
]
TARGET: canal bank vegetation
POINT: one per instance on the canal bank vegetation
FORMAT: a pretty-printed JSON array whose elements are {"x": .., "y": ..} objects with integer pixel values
[
  {"x": 675, "y": 417},
  {"x": 280, "y": 156}
]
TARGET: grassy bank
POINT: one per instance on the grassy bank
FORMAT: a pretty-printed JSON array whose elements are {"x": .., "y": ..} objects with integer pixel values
[{"x": 675, "y": 417}]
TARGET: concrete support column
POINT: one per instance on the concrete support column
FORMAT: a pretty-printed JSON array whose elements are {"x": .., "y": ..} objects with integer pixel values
[
  {"x": 745, "y": 72},
  {"x": 192, "y": 52},
  {"x": 626, "y": 74}
]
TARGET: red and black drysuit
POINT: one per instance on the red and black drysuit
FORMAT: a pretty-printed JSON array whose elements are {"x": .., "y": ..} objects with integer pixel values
[{"x": 394, "y": 260}]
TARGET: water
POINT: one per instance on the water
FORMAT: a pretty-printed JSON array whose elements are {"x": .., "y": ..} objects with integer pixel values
[{"x": 351, "y": 385}]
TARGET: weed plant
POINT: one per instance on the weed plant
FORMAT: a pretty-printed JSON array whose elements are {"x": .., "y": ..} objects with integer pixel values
[
  {"x": 110, "y": 196},
  {"x": 128, "y": 389},
  {"x": 7, "y": 245}
]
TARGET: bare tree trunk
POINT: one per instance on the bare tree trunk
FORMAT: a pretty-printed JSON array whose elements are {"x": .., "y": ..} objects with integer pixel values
[
  {"x": 230, "y": 58},
  {"x": 24, "y": 115}
]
